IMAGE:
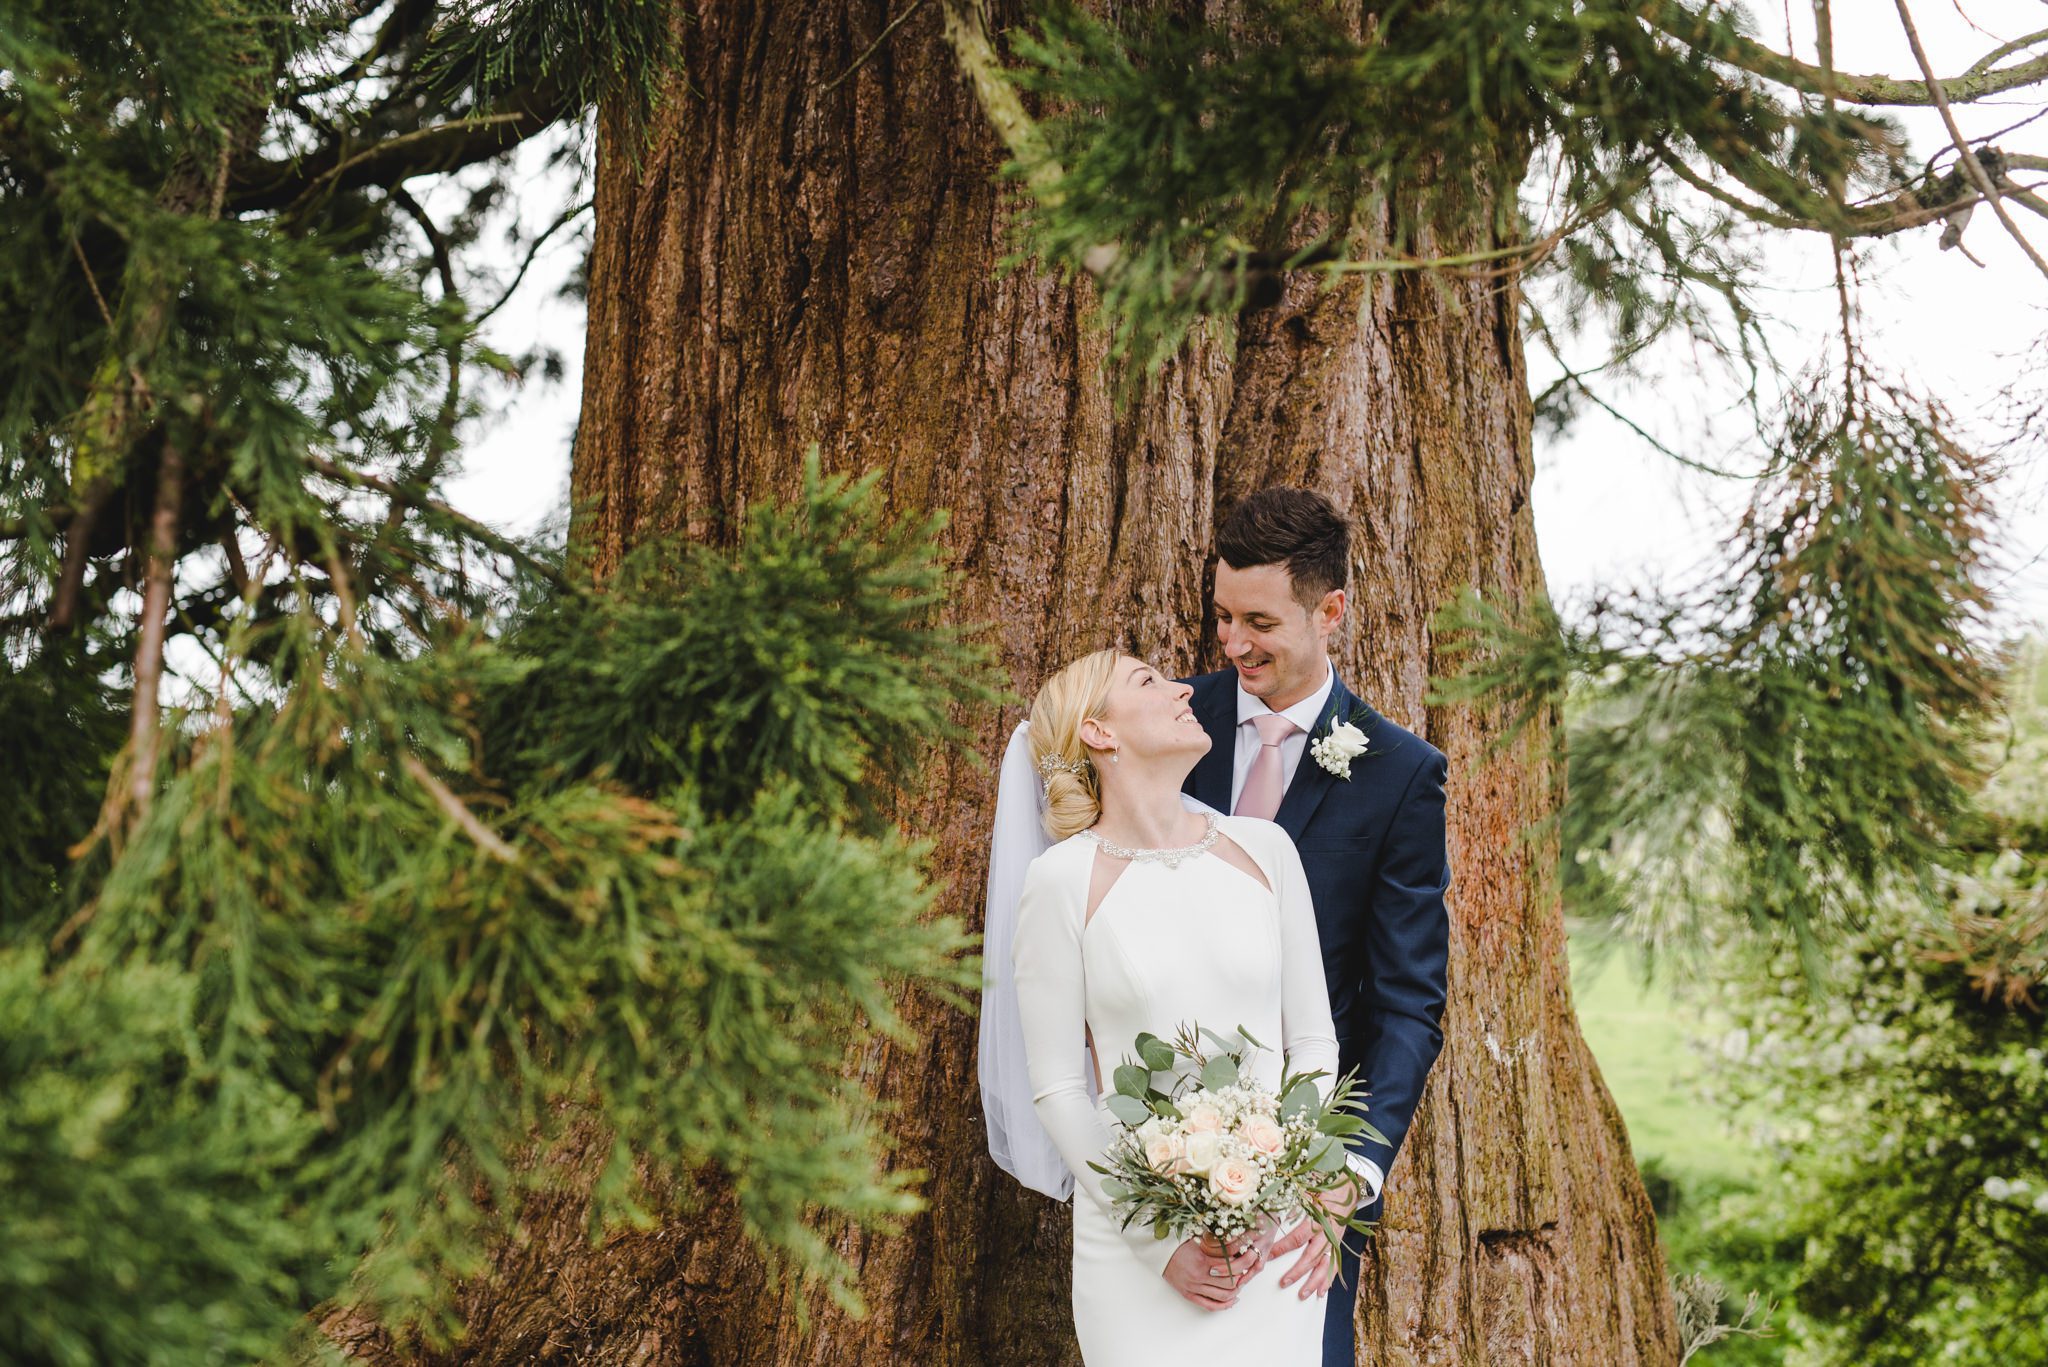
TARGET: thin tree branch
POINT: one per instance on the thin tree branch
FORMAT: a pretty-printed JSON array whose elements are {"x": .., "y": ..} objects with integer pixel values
[
  {"x": 533, "y": 251},
  {"x": 1971, "y": 165},
  {"x": 1983, "y": 64},
  {"x": 146, "y": 724},
  {"x": 873, "y": 48},
  {"x": 486, "y": 839},
  {"x": 2028, "y": 200},
  {"x": 93, "y": 283},
  {"x": 437, "y": 241},
  {"x": 476, "y": 530},
  {"x": 77, "y": 551}
]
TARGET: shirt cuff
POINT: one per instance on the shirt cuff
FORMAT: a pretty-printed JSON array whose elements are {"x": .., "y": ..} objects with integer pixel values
[{"x": 1368, "y": 1174}]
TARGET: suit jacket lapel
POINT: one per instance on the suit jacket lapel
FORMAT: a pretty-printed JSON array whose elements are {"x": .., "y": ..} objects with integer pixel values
[
  {"x": 1312, "y": 782},
  {"x": 1216, "y": 708}
]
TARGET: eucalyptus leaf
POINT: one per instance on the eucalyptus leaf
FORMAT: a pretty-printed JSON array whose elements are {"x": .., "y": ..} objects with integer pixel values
[
  {"x": 1223, "y": 1042},
  {"x": 1300, "y": 1100},
  {"x": 1129, "y": 1109},
  {"x": 1132, "y": 1081},
  {"x": 1156, "y": 1052},
  {"x": 1219, "y": 1072}
]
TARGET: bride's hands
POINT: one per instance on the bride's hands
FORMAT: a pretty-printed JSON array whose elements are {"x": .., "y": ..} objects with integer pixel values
[{"x": 1210, "y": 1275}]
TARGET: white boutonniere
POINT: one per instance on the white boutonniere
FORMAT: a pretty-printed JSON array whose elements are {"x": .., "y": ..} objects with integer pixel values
[{"x": 1337, "y": 747}]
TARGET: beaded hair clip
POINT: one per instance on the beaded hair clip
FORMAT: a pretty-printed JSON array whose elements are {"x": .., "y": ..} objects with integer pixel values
[{"x": 1048, "y": 765}]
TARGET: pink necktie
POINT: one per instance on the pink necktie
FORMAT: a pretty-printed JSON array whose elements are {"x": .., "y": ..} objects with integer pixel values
[{"x": 1264, "y": 784}]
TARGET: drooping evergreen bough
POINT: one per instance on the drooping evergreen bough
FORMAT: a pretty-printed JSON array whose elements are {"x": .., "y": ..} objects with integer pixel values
[{"x": 354, "y": 855}]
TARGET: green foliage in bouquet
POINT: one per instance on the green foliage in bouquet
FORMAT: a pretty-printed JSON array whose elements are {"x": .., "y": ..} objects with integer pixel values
[{"x": 1308, "y": 1134}]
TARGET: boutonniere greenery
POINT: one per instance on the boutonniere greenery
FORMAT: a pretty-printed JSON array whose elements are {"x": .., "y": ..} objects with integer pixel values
[{"x": 1338, "y": 746}]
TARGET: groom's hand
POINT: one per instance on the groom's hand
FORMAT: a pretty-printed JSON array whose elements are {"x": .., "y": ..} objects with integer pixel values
[
  {"x": 1209, "y": 1275},
  {"x": 1315, "y": 1269}
]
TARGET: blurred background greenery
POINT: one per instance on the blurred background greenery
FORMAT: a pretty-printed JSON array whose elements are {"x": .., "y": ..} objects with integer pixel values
[{"x": 1864, "y": 1153}]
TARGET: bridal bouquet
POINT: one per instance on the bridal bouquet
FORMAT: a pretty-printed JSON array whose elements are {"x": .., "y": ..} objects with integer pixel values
[{"x": 1215, "y": 1153}]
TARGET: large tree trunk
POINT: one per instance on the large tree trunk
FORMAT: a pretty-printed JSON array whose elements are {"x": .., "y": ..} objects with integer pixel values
[{"x": 785, "y": 264}]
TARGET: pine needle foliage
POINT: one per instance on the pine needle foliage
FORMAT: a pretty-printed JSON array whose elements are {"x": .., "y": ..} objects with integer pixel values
[
  {"x": 145, "y": 1223},
  {"x": 447, "y": 961},
  {"x": 1795, "y": 742},
  {"x": 1181, "y": 161}
]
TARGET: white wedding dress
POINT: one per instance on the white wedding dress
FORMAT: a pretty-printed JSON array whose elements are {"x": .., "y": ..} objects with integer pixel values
[{"x": 1200, "y": 943}]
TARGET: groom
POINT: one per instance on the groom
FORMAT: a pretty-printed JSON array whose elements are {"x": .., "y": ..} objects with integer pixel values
[{"x": 1372, "y": 843}]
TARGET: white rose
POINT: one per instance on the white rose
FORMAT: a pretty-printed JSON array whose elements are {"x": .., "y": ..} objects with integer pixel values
[
  {"x": 1234, "y": 1181},
  {"x": 1202, "y": 1150},
  {"x": 1346, "y": 740}
]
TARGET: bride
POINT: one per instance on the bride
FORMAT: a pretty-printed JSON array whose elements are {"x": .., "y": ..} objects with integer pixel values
[{"x": 1146, "y": 915}]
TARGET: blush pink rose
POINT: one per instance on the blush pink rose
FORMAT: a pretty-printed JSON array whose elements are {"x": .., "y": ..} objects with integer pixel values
[
  {"x": 1261, "y": 1135},
  {"x": 1202, "y": 1118},
  {"x": 1163, "y": 1153},
  {"x": 1234, "y": 1181}
]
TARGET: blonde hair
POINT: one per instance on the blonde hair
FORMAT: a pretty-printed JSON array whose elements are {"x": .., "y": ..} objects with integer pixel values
[{"x": 1073, "y": 800}]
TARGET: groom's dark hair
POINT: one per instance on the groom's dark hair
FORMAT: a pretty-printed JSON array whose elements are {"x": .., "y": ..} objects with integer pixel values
[{"x": 1295, "y": 528}]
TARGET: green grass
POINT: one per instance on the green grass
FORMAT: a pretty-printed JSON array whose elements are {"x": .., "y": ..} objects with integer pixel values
[
  {"x": 1646, "y": 1042},
  {"x": 1704, "y": 1178}
]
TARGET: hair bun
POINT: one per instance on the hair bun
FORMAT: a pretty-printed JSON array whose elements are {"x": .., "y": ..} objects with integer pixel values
[{"x": 1073, "y": 788}]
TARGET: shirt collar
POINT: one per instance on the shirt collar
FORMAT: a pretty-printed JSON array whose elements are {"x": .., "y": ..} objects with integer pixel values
[{"x": 1303, "y": 714}]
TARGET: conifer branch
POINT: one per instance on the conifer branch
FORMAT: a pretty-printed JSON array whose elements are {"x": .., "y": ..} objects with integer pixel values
[
  {"x": 1719, "y": 40},
  {"x": 966, "y": 30},
  {"x": 269, "y": 184}
]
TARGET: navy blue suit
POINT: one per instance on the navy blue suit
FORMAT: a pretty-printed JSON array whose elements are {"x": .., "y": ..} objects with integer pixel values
[{"x": 1373, "y": 848}]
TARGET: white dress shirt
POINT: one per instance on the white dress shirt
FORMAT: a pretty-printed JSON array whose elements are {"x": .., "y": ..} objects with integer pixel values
[{"x": 1304, "y": 715}]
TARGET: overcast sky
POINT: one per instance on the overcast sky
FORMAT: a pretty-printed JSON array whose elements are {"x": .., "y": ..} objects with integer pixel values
[{"x": 1609, "y": 509}]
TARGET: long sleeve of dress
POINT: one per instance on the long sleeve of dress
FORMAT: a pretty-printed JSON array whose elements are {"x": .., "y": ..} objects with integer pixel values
[
  {"x": 1052, "y": 1005},
  {"x": 1308, "y": 1034}
]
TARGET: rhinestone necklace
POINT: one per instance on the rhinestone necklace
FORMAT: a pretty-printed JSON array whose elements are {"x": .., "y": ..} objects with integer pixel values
[{"x": 1173, "y": 859}]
